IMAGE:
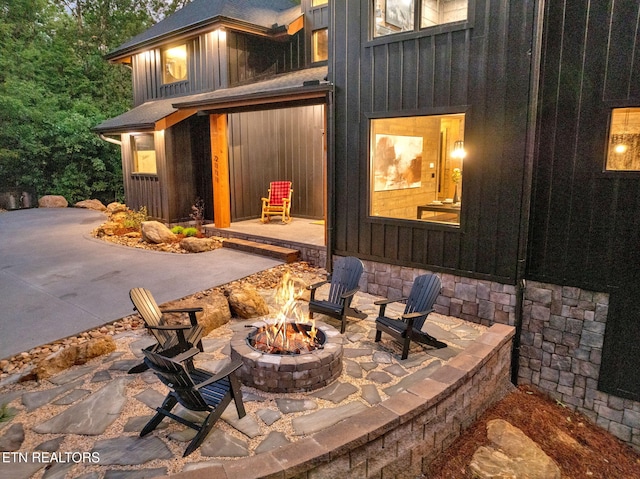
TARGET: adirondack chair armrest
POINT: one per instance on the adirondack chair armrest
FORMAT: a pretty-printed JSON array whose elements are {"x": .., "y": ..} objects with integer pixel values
[
  {"x": 317, "y": 285},
  {"x": 170, "y": 327},
  {"x": 192, "y": 313},
  {"x": 349, "y": 294},
  {"x": 384, "y": 302},
  {"x": 417, "y": 314},
  {"x": 223, "y": 373},
  {"x": 186, "y": 355}
]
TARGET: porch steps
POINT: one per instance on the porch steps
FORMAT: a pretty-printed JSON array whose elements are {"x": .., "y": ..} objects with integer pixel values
[{"x": 287, "y": 255}]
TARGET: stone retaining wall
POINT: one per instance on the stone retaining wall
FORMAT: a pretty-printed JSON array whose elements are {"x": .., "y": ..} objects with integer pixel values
[
  {"x": 561, "y": 341},
  {"x": 398, "y": 438}
]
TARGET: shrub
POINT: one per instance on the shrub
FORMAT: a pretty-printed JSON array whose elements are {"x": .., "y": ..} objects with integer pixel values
[
  {"x": 6, "y": 413},
  {"x": 177, "y": 230},
  {"x": 134, "y": 219},
  {"x": 190, "y": 232}
]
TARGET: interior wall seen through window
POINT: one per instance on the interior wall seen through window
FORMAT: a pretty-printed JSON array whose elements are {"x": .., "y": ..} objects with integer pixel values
[
  {"x": 174, "y": 64},
  {"x": 320, "y": 45},
  {"x": 144, "y": 153},
  {"x": 416, "y": 167},
  {"x": 623, "y": 153}
]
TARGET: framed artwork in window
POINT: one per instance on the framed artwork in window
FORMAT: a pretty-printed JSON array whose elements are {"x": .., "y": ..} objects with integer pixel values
[{"x": 397, "y": 162}]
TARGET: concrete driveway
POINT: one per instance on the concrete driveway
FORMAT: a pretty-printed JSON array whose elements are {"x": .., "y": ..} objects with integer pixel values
[{"x": 56, "y": 280}]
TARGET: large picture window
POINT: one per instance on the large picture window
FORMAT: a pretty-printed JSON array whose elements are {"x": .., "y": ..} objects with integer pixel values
[
  {"x": 174, "y": 64},
  {"x": 416, "y": 168},
  {"x": 623, "y": 153},
  {"x": 395, "y": 16},
  {"x": 144, "y": 154}
]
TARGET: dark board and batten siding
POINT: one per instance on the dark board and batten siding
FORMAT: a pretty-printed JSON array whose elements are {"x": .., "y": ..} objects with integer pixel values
[
  {"x": 447, "y": 69},
  {"x": 585, "y": 222},
  {"x": 271, "y": 145}
]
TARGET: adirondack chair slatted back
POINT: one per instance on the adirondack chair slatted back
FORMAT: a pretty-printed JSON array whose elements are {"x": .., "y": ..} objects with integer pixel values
[
  {"x": 345, "y": 277},
  {"x": 278, "y": 192},
  {"x": 175, "y": 376},
  {"x": 146, "y": 305},
  {"x": 423, "y": 295}
]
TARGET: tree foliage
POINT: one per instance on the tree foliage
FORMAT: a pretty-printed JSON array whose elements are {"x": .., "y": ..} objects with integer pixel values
[{"x": 55, "y": 86}]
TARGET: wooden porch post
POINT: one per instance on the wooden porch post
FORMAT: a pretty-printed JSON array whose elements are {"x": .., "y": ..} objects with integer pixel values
[{"x": 220, "y": 171}]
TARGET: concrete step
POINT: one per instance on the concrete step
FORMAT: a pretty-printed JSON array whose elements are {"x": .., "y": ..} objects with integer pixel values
[{"x": 287, "y": 255}]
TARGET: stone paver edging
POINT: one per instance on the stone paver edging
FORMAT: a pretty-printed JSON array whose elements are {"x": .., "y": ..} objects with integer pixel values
[{"x": 398, "y": 437}]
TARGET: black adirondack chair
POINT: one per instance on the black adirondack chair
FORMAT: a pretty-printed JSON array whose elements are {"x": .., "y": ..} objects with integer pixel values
[
  {"x": 408, "y": 327},
  {"x": 196, "y": 390},
  {"x": 172, "y": 339},
  {"x": 344, "y": 285}
]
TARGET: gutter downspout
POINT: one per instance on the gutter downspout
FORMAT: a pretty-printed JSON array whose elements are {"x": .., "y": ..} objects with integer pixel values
[
  {"x": 110, "y": 140},
  {"x": 331, "y": 203},
  {"x": 527, "y": 175}
]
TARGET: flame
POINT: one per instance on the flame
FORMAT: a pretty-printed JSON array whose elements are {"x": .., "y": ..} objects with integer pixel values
[{"x": 284, "y": 335}]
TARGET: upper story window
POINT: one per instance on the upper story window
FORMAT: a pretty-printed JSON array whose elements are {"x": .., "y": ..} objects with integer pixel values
[
  {"x": 623, "y": 153},
  {"x": 317, "y": 3},
  {"x": 320, "y": 45},
  {"x": 174, "y": 64},
  {"x": 416, "y": 168},
  {"x": 144, "y": 153},
  {"x": 395, "y": 16}
]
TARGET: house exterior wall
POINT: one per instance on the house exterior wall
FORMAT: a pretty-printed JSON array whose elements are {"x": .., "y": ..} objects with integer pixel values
[{"x": 455, "y": 68}]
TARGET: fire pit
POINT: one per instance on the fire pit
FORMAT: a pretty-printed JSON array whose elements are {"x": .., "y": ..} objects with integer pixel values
[
  {"x": 289, "y": 372},
  {"x": 287, "y": 355}
]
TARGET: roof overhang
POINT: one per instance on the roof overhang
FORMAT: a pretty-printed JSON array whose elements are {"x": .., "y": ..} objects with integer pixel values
[{"x": 299, "y": 87}]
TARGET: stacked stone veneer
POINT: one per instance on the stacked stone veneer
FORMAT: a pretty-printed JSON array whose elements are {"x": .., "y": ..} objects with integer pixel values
[
  {"x": 399, "y": 437},
  {"x": 561, "y": 340},
  {"x": 480, "y": 301},
  {"x": 561, "y": 351}
]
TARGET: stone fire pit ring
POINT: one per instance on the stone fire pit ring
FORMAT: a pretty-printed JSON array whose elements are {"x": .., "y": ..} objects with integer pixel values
[{"x": 292, "y": 373}]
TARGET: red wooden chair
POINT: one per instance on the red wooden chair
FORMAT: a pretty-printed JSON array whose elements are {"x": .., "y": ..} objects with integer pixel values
[{"x": 278, "y": 202}]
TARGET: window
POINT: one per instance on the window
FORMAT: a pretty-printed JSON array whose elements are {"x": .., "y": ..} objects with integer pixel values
[
  {"x": 416, "y": 167},
  {"x": 623, "y": 153},
  {"x": 317, "y": 3},
  {"x": 144, "y": 153},
  {"x": 320, "y": 45},
  {"x": 174, "y": 64},
  {"x": 395, "y": 16}
]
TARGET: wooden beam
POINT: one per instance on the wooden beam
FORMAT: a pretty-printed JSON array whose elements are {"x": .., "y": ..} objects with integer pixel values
[
  {"x": 295, "y": 26},
  {"x": 220, "y": 171},
  {"x": 177, "y": 117}
]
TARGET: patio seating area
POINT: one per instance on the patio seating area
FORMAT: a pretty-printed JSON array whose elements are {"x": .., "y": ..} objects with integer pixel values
[{"x": 99, "y": 410}]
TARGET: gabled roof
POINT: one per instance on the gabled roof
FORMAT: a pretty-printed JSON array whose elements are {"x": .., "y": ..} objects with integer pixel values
[
  {"x": 297, "y": 85},
  {"x": 263, "y": 15}
]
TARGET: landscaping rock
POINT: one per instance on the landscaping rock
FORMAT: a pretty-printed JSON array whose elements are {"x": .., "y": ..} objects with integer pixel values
[
  {"x": 216, "y": 310},
  {"x": 13, "y": 438},
  {"x": 197, "y": 245},
  {"x": 156, "y": 232},
  {"x": 116, "y": 207},
  {"x": 515, "y": 455},
  {"x": 73, "y": 355},
  {"x": 245, "y": 302},
  {"x": 53, "y": 201},
  {"x": 91, "y": 205}
]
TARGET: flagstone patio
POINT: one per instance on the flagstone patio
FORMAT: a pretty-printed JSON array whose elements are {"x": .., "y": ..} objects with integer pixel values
[{"x": 85, "y": 421}]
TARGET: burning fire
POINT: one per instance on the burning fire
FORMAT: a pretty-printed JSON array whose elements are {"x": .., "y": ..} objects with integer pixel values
[{"x": 291, "y": 332}]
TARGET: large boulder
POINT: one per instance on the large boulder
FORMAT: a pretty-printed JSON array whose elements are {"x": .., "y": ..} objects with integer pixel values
[
  {"x": 197, "y": 245},
  {"x": 216, "y": 310},
  {"x": 91, "y": 205},
  {"x": 245, "y": 302},
  {"x": 72, "y": 355},
  {"x": 514, "y": 455},
  {"x": 53, "y": 201},
  {"x": 156, "y": 232}
]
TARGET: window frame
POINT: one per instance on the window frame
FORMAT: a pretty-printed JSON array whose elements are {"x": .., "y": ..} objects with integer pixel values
[
  {"x": 424, "y": 223},
  {"x": 134, "y": 150},
  {"x": 607, "y": 142},
  {"x": 419, "y": 31},
  {"x": 314, "y": 44},
  {"x": 163, "y": 73}
]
